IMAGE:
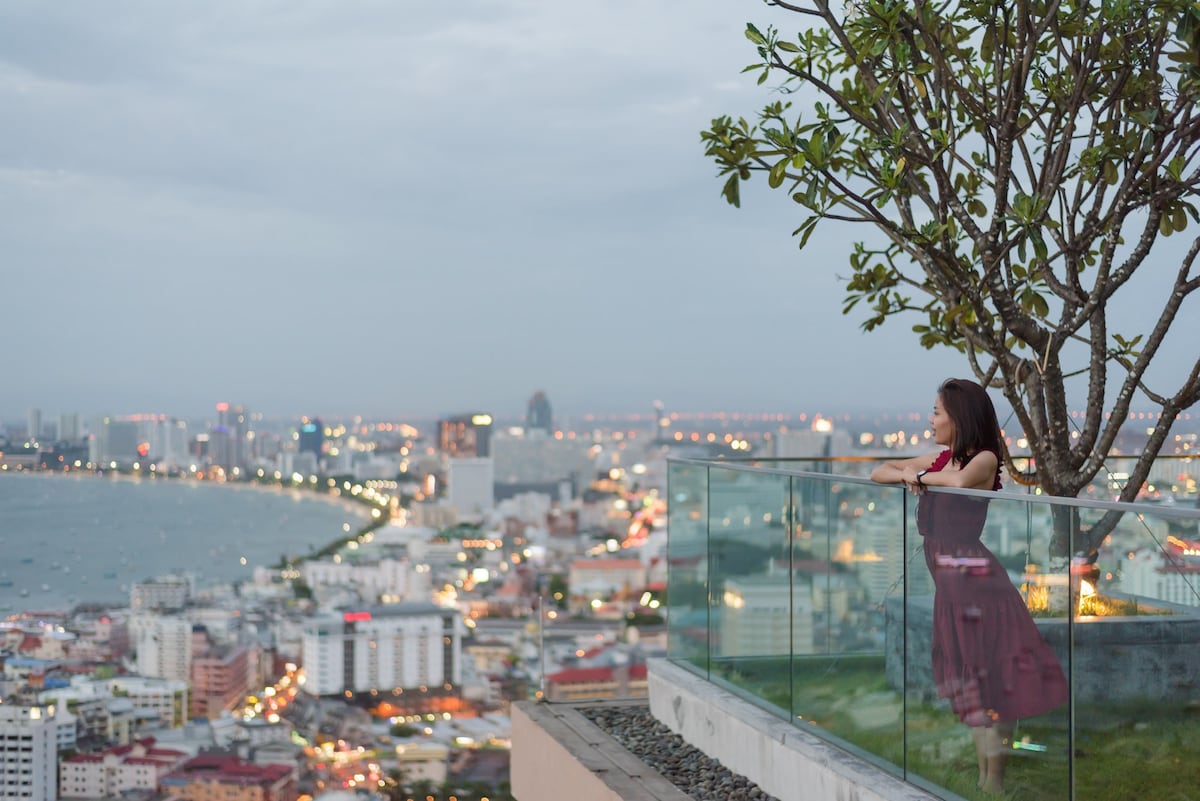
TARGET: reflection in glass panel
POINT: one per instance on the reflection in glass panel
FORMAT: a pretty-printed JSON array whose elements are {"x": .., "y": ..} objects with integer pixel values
[
  {"x": 755, "y": 619},
  {"x": 1136, "y": 638},
  {"x": 848, "y": 554},
  {"x": 687, "y": 564}
]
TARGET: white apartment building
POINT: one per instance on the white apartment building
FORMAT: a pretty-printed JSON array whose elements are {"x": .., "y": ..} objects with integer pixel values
[
  {"x": 404, "y": 646},
  {"x": 423, "y": 761},
  {"x": 28, "y": 752},
  {"x": 820, "y": 440},
  {"x": 164, "y": 592},
  {"x": 603, "y": 580},
  {"x": 432, "y": 514},
  {"x": 470, "y": 486},
  {"x": 873, "y": 551},
  {"x": 116, "y": 771},
  {"x": 529, "y": 507},
  {"x": 303, "y": 463},
  {"x": 1150, "y": 574},
  {"x": 533, "y": 457},
  {"x": 99, "y": 713},
  {"x": 163, "y": 645},
  {"x": 109, "y": 707},
  {"x": 393, "y": 577},
  {"x": 762, "y": 616}
]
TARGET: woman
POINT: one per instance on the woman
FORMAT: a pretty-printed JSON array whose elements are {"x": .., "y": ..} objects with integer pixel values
[{"x": 989, "y": 660}]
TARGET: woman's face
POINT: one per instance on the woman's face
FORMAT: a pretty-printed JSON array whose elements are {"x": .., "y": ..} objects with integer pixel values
[{"x": 942, "y": 425}]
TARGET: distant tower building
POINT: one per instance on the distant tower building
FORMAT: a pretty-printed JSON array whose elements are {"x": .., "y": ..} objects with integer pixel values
[
  {"x": 68, "y": 428},
  {"x": 538, "y": 414},
  {"x": 114, "y": 440},
  {"x": 662, "y": 422},
  {"x": 467, "y": 435},
  {"x": 34, "y": 425},
  {"x": 239, "y": 432},
  {"x": 228, "y": 439},
  {"x": 312, "y": 436},
  {"x": 470, "y": 486}
]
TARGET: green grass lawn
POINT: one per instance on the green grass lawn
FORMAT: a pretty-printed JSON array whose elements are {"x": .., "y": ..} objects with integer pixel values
[{"x": 1122, "y": 752}]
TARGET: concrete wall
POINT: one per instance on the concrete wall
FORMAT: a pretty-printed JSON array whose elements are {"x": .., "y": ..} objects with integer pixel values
[
  {"x": 779, "y": 757},
  {"x": 1153, "y": 658}
]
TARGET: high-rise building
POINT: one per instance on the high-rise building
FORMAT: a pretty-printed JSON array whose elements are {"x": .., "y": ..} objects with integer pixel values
[
  {"x": 28, "y": 752},
  {"x": 229, "y": 439},
  {"x": 114, "y": 440},
  {"x": 662, "y": 422},
  {"x": 164, "y": 646},
  {"x": 220, "y": 676},
  {"x": 466, "y": 435},
  {"x": 69, "y": 429},
  {"x": 34, "y": 425},
  {"x": 469, "y": 486},
  {"x": 312, "y": 436},
  {"x": 539, "y": 415},
  {"x": 394, "y": 646}
]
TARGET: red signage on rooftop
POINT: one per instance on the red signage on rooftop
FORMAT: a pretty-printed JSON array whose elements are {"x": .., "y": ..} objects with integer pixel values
[{"x": 354, "y": 617}]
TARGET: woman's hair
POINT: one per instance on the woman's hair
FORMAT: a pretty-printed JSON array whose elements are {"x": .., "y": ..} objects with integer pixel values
[{"x": 975, "y": 425}]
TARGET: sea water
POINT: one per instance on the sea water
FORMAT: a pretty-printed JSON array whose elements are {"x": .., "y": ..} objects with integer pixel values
[{"x": 85, "y": 539}]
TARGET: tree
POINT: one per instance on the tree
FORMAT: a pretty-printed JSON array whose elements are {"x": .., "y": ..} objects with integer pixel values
[{"x": 1015, "y": 163}]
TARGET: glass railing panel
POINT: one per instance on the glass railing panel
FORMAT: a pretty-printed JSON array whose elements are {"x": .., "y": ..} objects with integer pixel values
[
  {"x": 848, "y": 557},
  {"x": 751, "y": 632},
  {"x": 1075, "y": 624},
  {"x": 1136, "y": 655},
  {"x": 986, "y": 675},
  {"x": 687, "y": 564}
]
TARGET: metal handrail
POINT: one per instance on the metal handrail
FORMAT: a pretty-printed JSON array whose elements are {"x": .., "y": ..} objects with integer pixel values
[{"x": 1158, "y": 510}]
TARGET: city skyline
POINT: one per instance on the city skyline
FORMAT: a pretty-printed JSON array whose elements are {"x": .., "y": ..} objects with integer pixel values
[{"x": 393, "y": 211}]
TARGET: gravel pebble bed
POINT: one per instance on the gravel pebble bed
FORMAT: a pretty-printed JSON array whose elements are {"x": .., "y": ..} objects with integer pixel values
[{"x": 689, "y": 769}]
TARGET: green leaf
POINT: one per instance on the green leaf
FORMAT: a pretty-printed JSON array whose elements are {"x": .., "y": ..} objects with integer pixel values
[
  {"x": 776, "y": 175},
  {"x": 1178, "y": 218},
  {"x": 732, "y": 192},
  {"x": 754, "y": 35},
  {"x": 1175, "y": 167},
  {"x": 787, "y": 47}
]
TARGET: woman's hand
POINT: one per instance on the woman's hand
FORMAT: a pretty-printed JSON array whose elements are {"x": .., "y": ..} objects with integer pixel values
[{"x": 909, "y": 476}]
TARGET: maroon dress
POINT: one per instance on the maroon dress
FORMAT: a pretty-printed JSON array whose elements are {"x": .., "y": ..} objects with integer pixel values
[{"x": 989, "y": 659}]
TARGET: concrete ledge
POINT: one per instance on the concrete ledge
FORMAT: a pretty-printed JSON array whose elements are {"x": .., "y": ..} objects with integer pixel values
[
  {"x": 783, "y": 760},
  {"x": 558, "y": 753}
]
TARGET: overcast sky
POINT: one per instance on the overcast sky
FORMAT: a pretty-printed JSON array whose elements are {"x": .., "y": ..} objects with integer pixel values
[{"x": 406, "y": 209}]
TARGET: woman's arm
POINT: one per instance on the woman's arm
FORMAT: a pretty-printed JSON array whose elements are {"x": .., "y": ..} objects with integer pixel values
[
  {"x": 978, "y": 473},
  {"x": 902, "y": 471}
]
